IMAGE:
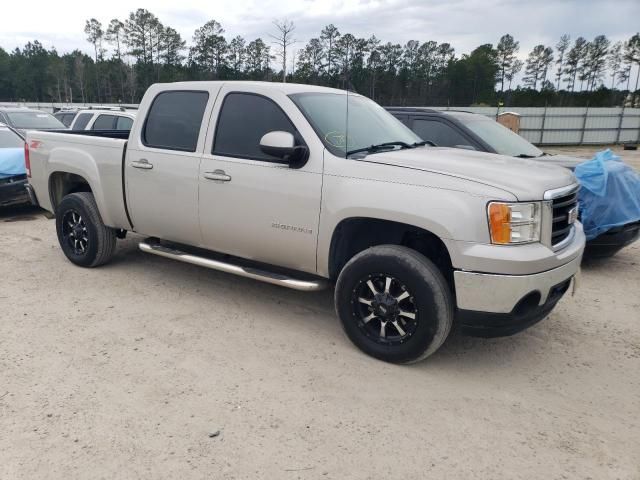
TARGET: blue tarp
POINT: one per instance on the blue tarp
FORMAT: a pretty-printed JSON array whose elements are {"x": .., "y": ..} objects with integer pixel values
[
  {"x": 609, "y": 195},
  {"x": 11, "y": 162}
]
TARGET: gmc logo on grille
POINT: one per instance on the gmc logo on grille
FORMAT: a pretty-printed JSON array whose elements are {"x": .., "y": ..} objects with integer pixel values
[{"x": 572, "y": 216}]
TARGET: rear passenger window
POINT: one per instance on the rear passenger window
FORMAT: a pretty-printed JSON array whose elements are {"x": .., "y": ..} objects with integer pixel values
[
  {"x": 67, "y": 119},
  {"x": 103, "y": 122},
  {"x": 440, "y": 133},
  {"x": 174, "y": 120},
  {"x": 242, "y": 122},
  {"x": 82, "y": 121},
  {"x": 124, "y": 123}
]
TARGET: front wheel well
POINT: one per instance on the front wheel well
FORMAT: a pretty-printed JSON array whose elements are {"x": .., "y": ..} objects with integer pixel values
[
  {"x": 354, "y": 235},
  {"x": 62, "y": 184}
]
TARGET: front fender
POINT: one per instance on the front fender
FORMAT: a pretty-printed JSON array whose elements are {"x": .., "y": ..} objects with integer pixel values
[{"x": 448, "y": 214}]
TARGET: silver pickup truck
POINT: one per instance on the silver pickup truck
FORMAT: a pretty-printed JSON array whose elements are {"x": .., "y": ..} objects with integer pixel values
[{"x": 304, "y": 187}]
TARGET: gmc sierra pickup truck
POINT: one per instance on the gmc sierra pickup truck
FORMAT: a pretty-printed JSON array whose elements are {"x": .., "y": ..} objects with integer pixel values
[{"x": 305, "y": 187}]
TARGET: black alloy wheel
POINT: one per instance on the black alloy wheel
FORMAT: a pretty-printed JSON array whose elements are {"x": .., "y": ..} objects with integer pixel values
[{"x": 384, "y": 309}]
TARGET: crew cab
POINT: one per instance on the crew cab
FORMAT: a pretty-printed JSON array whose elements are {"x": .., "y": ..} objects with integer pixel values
[
  {"x": 306, "y": 187},
  {"x": 472, "y": 131}
]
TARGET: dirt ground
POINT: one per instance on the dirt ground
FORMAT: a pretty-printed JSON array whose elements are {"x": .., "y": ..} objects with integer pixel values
[{"x": 150, "y": 368}]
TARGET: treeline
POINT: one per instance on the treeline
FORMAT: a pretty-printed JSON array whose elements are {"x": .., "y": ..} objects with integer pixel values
[{"x": 130, "y": 55}]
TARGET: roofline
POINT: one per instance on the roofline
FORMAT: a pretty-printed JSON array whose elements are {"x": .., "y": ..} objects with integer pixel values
[
  {"x": 413, "y": 109},
  {"x": 101, "y": 110},
  {"x": 429, "y": 110},
  {"x": 20, "y": 109},
  {"x": 286, "y": 88}
]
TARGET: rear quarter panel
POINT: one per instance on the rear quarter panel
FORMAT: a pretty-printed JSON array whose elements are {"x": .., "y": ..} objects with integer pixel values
[{"x": 97, "y": 160}]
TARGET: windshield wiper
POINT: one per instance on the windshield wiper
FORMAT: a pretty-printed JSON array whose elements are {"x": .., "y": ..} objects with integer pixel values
[
  {"x": 524, "y": 155},
  {"x": 424, "y": 142},
  {"x": 380, "y": 146}
]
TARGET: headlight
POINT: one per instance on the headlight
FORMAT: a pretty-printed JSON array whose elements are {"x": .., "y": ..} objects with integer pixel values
[{"x": 512, "y": 223}]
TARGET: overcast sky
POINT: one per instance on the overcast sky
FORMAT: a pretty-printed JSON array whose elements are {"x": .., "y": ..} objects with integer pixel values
[{"x": 463, "y": 23}]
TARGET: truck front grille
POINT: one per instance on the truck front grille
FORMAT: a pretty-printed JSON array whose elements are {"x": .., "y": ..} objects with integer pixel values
[{"x": 561, "y": 206}]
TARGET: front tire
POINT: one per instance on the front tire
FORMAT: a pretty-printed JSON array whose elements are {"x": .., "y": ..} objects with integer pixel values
[
  {"x": 394, "y": 304},
  {"x": 84, "y": 238}
]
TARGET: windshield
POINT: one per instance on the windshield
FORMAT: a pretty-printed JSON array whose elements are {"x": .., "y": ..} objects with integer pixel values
[
  {"x": 8, "y": 139},
  {"x": 369, "y": 123},
  {"x": 35, "y": 120},
  {"x": 500, "y": 138}
]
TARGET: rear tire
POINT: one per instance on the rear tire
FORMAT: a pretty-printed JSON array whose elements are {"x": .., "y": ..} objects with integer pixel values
[
  {"x": 394, "y": 304},
  {"x": 84, "y": 238}
]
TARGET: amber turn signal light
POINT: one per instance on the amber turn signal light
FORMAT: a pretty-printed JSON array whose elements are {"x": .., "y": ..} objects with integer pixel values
[{"x": 500, "y": 223}]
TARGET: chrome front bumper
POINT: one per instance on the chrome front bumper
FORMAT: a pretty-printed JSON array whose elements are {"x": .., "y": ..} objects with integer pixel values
[{"x": 485, "y": 292}]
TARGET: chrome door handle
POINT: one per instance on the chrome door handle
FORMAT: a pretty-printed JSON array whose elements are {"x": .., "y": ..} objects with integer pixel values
[
  {"x": 218, "y": 175},
  {"x": 142, "y": 163}
]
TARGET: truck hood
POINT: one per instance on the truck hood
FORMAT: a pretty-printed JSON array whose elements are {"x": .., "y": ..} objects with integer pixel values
[
  {"x": 562, "y": 160},
  {"x": 525, "y": 179}
]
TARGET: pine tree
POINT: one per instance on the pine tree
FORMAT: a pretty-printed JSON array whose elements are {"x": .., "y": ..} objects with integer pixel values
[{"x": 507, "y": 49}]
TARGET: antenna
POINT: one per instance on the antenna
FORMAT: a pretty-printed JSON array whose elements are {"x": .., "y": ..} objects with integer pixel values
[{"x": 346, "y": 129}]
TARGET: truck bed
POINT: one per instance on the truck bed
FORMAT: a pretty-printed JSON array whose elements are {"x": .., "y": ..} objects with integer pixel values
[{"x": 94, "y": 156}]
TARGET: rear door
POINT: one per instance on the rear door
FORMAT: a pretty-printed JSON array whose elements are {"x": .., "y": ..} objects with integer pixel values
[
  {"x": 162, "y": 164},
  {"x": 124, "y": 123},
  {"x": 81, "y": 121},
  {"x": 67, "y": 119},
  {"x": 262, "y": 210},
  {"x": 104, "y": 122}
]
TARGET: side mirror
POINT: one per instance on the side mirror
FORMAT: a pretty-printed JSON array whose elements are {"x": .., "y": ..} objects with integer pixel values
[{"x": 283, "y": 145}]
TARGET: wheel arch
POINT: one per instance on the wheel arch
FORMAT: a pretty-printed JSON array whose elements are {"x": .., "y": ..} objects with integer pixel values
[
  {"x": 63, "y": 183},
  {"x": 355, "y": 234}
]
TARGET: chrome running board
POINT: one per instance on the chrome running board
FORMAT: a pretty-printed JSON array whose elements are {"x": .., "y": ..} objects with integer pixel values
[{"x": 248, "y": 272}]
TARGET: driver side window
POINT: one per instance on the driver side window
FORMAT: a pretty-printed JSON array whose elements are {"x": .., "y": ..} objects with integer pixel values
[
  {"x": 440, "y": 133},
  {"x": 242, "y": 122}
]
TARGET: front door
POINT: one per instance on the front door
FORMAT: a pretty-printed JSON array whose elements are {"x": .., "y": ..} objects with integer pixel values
[{"x": 251, "y": 204}]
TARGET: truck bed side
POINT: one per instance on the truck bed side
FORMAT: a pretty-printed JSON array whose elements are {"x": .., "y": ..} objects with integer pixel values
[{"x": 62, "y": 163}]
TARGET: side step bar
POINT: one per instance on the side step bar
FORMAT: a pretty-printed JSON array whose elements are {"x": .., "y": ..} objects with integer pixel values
[{"x": 248, "y": 272}]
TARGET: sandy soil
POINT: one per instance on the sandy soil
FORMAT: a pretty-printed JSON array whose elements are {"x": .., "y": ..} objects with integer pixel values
[{"x": 130, "y": 371}]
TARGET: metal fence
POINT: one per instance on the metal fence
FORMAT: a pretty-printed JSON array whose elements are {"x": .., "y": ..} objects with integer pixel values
[
  {"x": 542, "y": 126},
  {"x": 572, "y": 125}
]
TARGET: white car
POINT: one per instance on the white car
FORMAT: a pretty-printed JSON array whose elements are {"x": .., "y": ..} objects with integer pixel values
[{"x": 103, "y": 120}]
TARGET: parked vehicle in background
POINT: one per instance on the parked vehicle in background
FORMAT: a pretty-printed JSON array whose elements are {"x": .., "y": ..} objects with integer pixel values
[
  {"x": 472, "y": 131},
  {"x": 66, "y": 115},
  {"x": 103, "y": 119},
  {"x": 300, "y": 186},
  {"x": 13, "y": 175},
  {"x": 23, "y": 119}
]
